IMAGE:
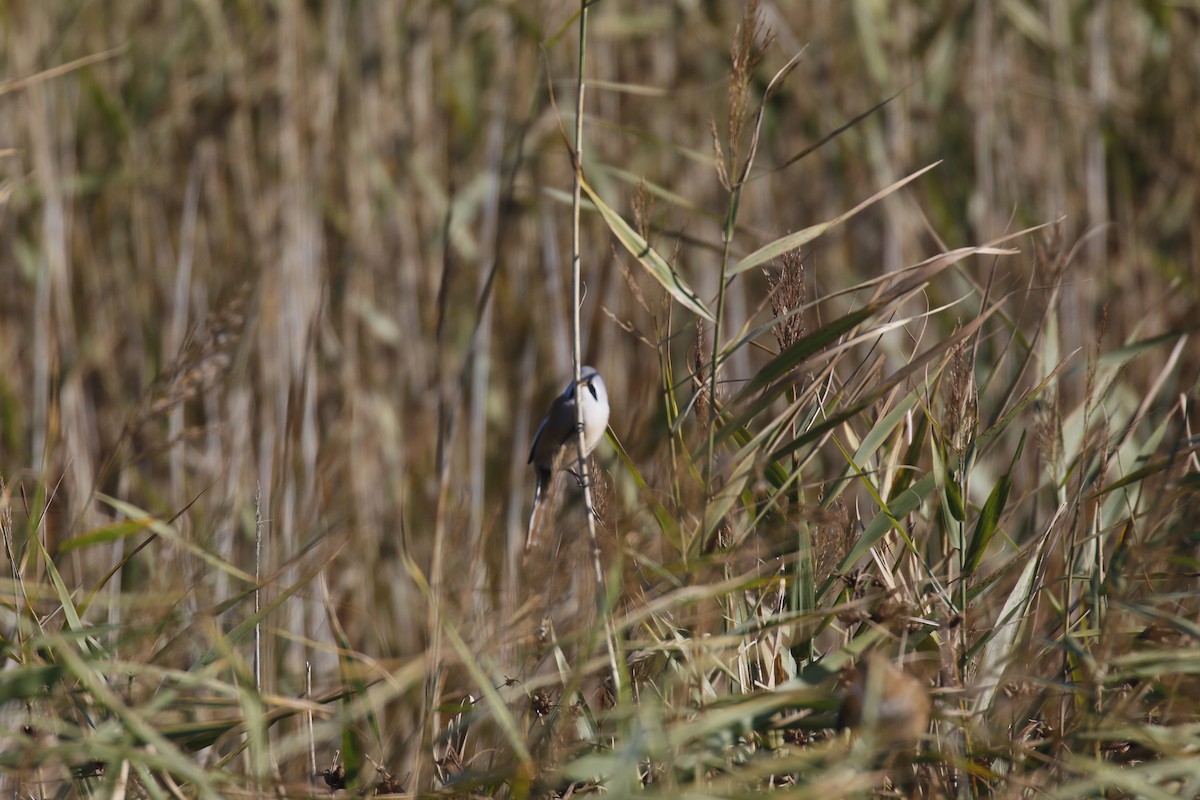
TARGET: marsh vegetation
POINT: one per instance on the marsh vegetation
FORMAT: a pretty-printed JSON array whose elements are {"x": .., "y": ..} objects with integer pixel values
[{"x": 897, "y": 308}]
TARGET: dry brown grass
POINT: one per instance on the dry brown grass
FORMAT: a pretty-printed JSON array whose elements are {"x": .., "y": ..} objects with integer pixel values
[{"x": 249, "y": 250}]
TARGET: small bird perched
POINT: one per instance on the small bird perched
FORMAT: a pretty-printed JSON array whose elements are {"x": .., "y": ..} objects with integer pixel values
[{"x": 558, "y": 431}]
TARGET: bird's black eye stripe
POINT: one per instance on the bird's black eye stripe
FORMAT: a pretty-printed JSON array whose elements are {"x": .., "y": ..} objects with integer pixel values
[{"x": 592, "y": 389}]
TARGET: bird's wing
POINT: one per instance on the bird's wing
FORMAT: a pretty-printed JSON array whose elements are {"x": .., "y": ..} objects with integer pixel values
[
  {"x": 568, "y": 433},
  {"x": 554, "y": 430},
  {"x": 536, "y": 437}
]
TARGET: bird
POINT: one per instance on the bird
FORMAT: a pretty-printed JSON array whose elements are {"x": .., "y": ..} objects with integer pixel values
[{"x": 558, "y": 430}]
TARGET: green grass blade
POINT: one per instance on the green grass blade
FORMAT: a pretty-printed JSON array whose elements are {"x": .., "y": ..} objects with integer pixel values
[
  {"x": 989, "y": 516},
  {"x": 648, "y": 257},
  {"x": 775, "y": 249},
  {"x": 171, "y": 535},
  {"x": 105, "y": 535},
  {"x": 998, "y": 646}
]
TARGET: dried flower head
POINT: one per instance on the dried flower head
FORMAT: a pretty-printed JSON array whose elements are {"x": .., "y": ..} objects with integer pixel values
[
  {"x": 701, "y": 360},
  {"x": 787, "y": 298},
  {"x": 541, "y": 704},
  {"x": 962, "y": 400},
  {"x": 203, "y": 360}
]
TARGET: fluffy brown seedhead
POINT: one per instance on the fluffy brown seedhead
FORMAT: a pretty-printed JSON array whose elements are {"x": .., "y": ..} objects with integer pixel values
[
  {"x": 202, "y": 362},
  {"x": 601, "y": 486},
  {"x": 749, "y": 42},
  {"x": 962, "y": 396},
  {"x": 1047, "y": 428},
  {"x": 701, "y": 361},
  {"x": 719, "y": 156},
  {"x": 787, "y": 296},
  {"x": 1052, "y": 254},
  {"x": 643, "y": 206},
  {"x": 832, "y": 535}
]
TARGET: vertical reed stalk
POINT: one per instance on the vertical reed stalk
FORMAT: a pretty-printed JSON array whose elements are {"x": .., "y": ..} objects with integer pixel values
[{"x": 576, "y": 296}]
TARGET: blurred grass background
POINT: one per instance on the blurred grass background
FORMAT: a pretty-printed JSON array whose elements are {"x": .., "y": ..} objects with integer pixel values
[{"x": 245, "y": 272}]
